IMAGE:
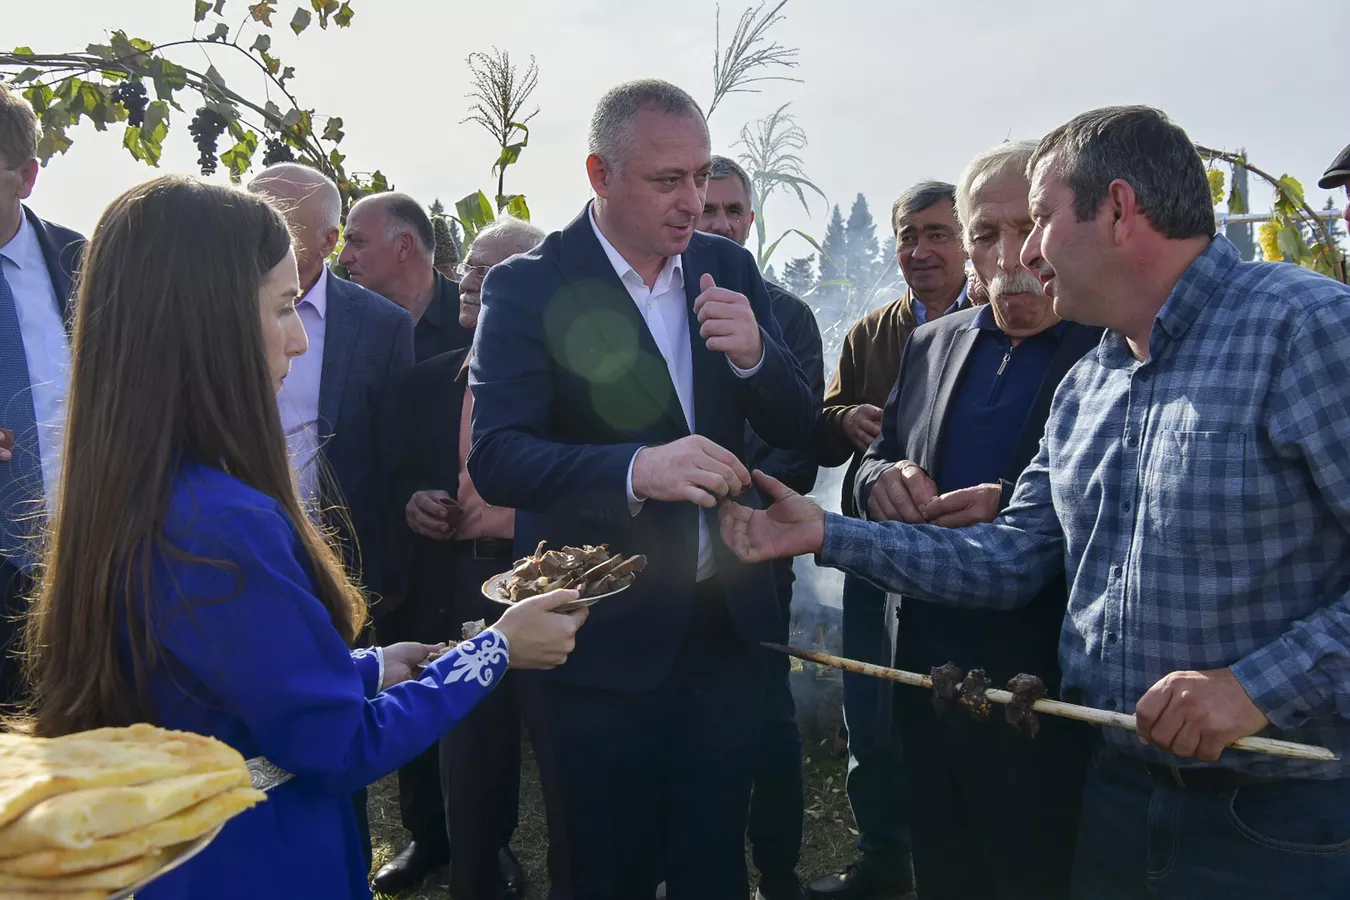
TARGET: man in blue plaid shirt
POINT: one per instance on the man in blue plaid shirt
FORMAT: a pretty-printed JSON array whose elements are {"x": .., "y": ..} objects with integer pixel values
[{"x": 1194, "y": 484}]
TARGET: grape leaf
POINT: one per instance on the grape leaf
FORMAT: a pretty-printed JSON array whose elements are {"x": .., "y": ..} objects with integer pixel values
[
  {"x": 221, "y": 32},
  {"x": 300, "y": 21},
  {"x": 333, "y": 131},
  {"x": 240, "y": 157},
  {"x": 344, "y": 15},
  {"x": 203, "y": 7},
  {"x": 262, "y": 44},
  {"x": 262, "y": 12}
]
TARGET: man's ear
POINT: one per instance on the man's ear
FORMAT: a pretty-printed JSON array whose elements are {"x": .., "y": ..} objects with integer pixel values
[
  {"x": 599, "y": 172},
  {"x": 27, "y": 178},
  {"x": 1122, "y": 206},
  {"x": 330, "y": 242}
]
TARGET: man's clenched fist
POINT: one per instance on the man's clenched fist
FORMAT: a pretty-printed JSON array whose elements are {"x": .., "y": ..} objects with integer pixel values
[
  {"x": 433, "y": 514},
  {"x": 901, "y": 494}
]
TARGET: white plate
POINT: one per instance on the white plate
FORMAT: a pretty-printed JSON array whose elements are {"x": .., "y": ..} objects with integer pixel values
[
  {"x": 492, "y": 589},
  {"x": 178, "y": 855}
]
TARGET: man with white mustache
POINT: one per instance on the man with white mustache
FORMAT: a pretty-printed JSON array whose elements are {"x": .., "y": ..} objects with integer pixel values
[{"x": 965, "y": 417}]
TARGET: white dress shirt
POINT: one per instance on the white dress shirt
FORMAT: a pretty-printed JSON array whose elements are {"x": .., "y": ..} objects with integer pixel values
[
  {"x": 665, "y": 308},
  {"x": 45, "y": 343},
  {"x": 298, "y": 399}
]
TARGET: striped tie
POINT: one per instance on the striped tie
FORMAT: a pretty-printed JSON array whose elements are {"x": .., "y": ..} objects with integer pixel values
[{"x": 21, "y": 477}]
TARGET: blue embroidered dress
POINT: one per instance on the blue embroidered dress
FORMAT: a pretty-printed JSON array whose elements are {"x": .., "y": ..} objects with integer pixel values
[{"x": 252, "y": 658}]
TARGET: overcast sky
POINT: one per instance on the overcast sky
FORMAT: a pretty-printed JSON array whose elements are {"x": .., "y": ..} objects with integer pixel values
[{"x": 891, "y": 93}]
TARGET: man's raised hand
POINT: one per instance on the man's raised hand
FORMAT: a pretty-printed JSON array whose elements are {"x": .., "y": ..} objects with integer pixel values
[
  {"x": 692, "y": 469},
  {"x": 728, "y": 324},
  {"x": 793, "y": 525}
]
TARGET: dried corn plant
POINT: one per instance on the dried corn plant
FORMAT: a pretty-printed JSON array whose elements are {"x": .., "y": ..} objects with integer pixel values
[
  {"x": 749, "y": 53},
  {"x": 500, "y": 91}
]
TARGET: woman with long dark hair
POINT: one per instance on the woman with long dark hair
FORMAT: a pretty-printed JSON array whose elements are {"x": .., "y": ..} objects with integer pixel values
[{"x": 184, "y": 586}]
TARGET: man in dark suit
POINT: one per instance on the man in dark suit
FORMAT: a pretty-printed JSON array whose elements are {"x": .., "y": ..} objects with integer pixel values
[
  {"x": 928, "y": 249},
  {"x": 389, "y": 246},
  {"x": 777, "y": 805},
  {"x": 37, "y": 265},
  {"x": 458, "y": 542},
  {"x": 615, "y": 368},
  {"x": 332, "y": 402},
  {"x": 964, "y": 419}
]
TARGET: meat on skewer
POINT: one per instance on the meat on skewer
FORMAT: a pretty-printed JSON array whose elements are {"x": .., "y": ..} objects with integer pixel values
[
  {"x": 1026, "y": 690},
  {"x": 946, "y": 680},
  {"x": 972, "y": 694}
]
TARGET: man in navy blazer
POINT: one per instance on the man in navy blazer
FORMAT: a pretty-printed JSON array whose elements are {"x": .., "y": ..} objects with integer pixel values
[
  {"x": 38, "y": 261},
  {"x": 333, "y": 399},
  {"x": 615, "y": 368}
]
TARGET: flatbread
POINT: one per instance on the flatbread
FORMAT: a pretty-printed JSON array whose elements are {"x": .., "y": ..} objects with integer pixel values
[
  {"x": 77, "y": 819},
  {"x": 182, "y": 827},
  {"x": 38, "y": 768},
  {"x": 111, "y": 878}
]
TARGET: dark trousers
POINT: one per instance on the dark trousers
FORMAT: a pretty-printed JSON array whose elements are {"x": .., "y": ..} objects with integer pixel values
[
  {"x": 15, "y": 585},
  {"x": 479, "y": 760},
  {"x": 530, "y": 695},
  {"x": 1000, "y": 811},
  {"x": 877, "y": 790},
  {"x": 657, "y": 783},
  {"x": 777, "y": 804},
  {"x": 1144, "y": 836},
  {"x": 419, "y": 782}
]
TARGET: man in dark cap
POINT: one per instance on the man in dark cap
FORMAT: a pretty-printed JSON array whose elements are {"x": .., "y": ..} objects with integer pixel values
[{"x": 1338, "y": 175}]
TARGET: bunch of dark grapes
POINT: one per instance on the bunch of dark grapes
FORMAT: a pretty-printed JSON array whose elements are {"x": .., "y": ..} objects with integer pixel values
[
  {"x": 277, "y": 151},
  {"x": 207, "y": 126},
  {"x": 131, "y": 94}
]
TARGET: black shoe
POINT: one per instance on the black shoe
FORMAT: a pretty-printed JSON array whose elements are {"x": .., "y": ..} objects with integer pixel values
[
  {"x": 513, "y": 876},
  {"x": 779, "y": 886},
  {"x": 407, "y": 870},
  {"x": 860, "y": 881}
]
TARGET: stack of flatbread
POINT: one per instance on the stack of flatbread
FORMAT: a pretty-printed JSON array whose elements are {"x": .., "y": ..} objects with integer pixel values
[{"x": 90, "y": 814}]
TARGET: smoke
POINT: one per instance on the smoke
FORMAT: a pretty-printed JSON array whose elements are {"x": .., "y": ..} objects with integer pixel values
[{"x": 817, "y": 623}]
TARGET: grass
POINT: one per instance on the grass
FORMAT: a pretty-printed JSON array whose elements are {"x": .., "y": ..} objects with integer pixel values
[{"x": 828, "y": 845}]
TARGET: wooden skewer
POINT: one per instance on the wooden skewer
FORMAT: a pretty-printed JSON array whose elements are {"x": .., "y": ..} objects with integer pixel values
[{"x": 1269, "y": 746}]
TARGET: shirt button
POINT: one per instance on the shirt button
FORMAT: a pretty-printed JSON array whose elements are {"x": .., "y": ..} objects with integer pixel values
[
  {"x": 1143, "y": 376},
  {"x": 1132, "y": 440},
  {"x": 1115, "y": 571},
  {"x": 1112, "y": 638},
  {"x": 1125, "y": 507},
  {"x": 1111, "y": 704}
]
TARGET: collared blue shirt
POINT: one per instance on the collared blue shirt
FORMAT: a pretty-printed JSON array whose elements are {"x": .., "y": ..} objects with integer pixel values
[
  {"x": 990, "y": 406},
  {"x": 1199, "y": 503},
  {"x": 921, "y": 312}
]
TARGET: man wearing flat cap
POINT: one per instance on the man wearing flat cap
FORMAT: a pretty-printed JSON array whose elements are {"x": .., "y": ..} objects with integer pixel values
[{"x": 1338, "y": 175}]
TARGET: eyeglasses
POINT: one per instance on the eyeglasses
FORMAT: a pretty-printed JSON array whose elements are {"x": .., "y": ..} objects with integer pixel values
[{"x": 463, "y": 270}]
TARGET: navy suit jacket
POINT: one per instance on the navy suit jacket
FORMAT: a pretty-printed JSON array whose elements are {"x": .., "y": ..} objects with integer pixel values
[
  {"x": 569, "y": 384},
  {"x": 63, "y": 250},
  {"x": 368, "y": 344},
  {"x": 914, "y": 427}
]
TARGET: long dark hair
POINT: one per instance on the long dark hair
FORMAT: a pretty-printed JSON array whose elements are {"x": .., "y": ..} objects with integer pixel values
[{"x": 168, "y": 364}]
